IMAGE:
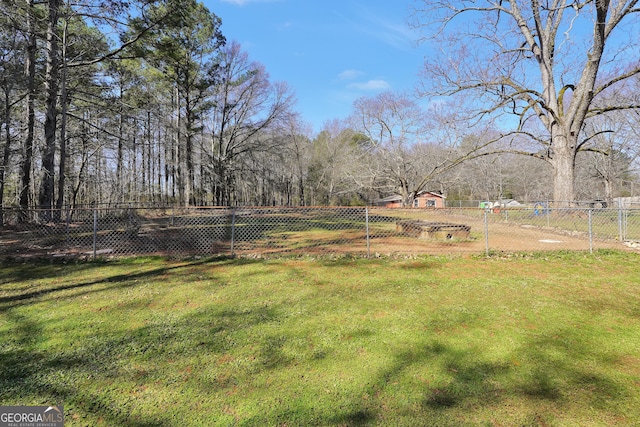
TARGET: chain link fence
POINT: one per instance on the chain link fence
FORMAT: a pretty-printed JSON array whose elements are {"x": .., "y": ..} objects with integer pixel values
[{"x": 365, "y": 231}]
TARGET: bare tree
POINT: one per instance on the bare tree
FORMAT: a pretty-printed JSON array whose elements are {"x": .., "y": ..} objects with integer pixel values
[
  {"x": 534, "y": 60},
  {"x": 605, "y": 171},
  {"x": 393, "y": 124},
  {"x": 298, "y": 153},
  {"x": 410, "y": 147},
  {"x": 336, "y": 152},
  {"x": 248, "y": 108}
]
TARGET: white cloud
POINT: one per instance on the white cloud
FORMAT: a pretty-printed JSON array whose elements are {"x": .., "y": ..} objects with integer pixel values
[
  {"x": 350, "y": 74},
  {"x": 370, "y": 85}
]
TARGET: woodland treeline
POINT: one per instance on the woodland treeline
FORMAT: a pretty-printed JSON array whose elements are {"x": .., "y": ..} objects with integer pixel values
[{"x": 147, "y": 102}]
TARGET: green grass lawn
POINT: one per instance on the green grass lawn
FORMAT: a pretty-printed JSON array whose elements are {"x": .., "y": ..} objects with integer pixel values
[{"x": 538, "y": 340}]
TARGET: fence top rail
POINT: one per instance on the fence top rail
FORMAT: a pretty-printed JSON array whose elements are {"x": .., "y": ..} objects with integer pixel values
[{"x": 633, "y": 206}]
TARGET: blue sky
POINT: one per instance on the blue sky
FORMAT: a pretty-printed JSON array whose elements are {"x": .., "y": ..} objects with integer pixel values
[{"x": 330, "y": 52}]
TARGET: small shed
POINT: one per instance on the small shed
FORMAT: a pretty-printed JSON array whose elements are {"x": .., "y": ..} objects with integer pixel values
[
  {"x": 429, "y": 199},
  {"x": 424, "y": 199},
  {"x": 394, "y": 201}
]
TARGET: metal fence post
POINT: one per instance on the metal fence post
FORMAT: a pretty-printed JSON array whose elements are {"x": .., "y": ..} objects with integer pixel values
[
  {"x": 233, "y": 230},
  {"x": 67, "y": 225},
  {"x": 625, "y": 223},
  {"x": 620, "y": 234},
  {"x": 548, "y": 213},
  {"x": 95, "y": 232},
  {"x": 366, "y": 215},
  {"x": 590, "y": 231},
  {"x": 486, "y": 231}
]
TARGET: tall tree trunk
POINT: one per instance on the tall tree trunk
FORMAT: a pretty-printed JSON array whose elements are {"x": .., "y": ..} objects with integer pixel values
[
  {"x": 221, "y": 179},
  {"x": 142, "y": 191},
  {"x": 63, "y": 126},
  {"x": 120, "y": 187},
  {"x": 95, "y": 188},
  {"x": 30, "y": 68},
  {"x": 300, "y": 180},
  {"x": 201, "y": 198},
  {"x": 148, "y": 154},
  {"x": 135, "y": 190},
  {"x": 159, "y": 191},
  {"x": 168, "y": 170},
  {"x": 50, "y": 123},
  {"x": 177, "y": 153},
  {"x": 189, "y": 185},
  {"x": 7, "y": 150},
  {"x": 62, "y": 173},
  {"x": 563, "y": 160},
  {"x": 84, "y": 163},
  {"x": 301, "y": 201}
]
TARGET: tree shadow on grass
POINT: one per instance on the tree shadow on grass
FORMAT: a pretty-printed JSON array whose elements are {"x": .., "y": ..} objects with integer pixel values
[
  {"x": 25, "y": 295},
  {"x": 555, "y": 369},
  {"x": 28, "y": 375},
  {"x": 473, "y": 382},
  {"x": 140, "y": 357},
  {"x": 564, "y": 365},
  {"x": 13, "y": 272},
  {"x": 358, "y": 417}
]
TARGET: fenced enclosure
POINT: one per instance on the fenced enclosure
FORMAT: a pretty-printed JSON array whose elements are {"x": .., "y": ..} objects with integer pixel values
[{"x": 265, "y": 231}]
